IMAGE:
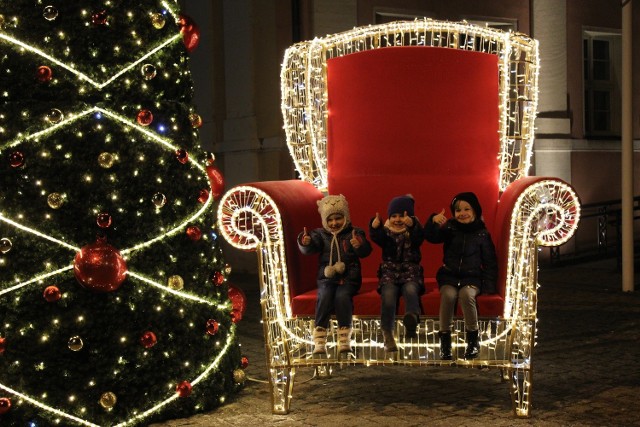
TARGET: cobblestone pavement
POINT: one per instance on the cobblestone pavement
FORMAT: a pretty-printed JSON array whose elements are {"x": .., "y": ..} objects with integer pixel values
[{"x": 586, "y": 371}]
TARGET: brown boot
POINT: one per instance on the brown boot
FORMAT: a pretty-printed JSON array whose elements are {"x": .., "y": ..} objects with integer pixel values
[
  {"x": 319, "y": 340},
  {"x": 389, "y": 341}
]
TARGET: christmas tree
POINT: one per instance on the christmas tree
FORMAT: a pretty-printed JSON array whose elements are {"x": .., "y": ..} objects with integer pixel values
[{"x": 114, "y": 304}]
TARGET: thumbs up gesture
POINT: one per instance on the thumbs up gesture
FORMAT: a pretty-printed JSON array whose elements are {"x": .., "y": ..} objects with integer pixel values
[
  {"x": 306, "y": 239},
  {"x": 355, "y": 240},
  {"x": 440, "y": 218},
  {"x": 408, "y": 221},
  {"x": 376, "y": 221}
]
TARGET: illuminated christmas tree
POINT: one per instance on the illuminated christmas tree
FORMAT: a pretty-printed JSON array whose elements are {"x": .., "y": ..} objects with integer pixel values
[{"x": 114, "y": 304}]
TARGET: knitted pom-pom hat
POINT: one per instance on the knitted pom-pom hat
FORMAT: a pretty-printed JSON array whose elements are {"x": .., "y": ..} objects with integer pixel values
[
  {"x": 470, "y": 198},
  {"x": 401, "y": 204},
  {"x": 330, "y": 205}
]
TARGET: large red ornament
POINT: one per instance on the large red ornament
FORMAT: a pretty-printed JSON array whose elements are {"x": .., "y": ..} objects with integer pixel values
[
  {"x": 148, "y": 339},
  {"x": 44, "y": 74},
  {"x": 190, "y": 32},
  {"x": 100, "y": 267},
  {"x": 216, "y": 180},
  {"x": 52, "y": 294},
  {"x": 184, "y": 389},
  {"x": 3, "y": 345},
  {"x": 5, "y": 405},
  {"x": 238, "y": 302},
  {"x": 182, "y": 156}
]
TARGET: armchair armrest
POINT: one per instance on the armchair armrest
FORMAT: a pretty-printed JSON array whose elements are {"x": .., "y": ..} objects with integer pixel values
[{"x": 266, "y": 217}]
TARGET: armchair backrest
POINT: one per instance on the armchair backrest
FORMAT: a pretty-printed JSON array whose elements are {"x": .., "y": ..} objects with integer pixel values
[{"x": 419, "y": 120}]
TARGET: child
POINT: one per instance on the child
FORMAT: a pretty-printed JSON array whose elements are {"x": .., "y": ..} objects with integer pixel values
[
  {"x": 340, "y": 246},
  {"x": 400, "y": 272},
  {"x": 469, "y": 267}
]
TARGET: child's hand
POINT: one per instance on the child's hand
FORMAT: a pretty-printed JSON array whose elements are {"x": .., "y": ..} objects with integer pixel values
[
  {"x": 440, "y": 218},
  {"x": 306, "y": 239},
  {"x": 376, "y": 221},
  {"x": 355, "y": 241},
  {"x": 408, "y": 221}
]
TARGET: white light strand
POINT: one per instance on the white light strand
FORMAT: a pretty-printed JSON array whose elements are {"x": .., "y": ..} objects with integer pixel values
[{"x": 81, "y": 75}]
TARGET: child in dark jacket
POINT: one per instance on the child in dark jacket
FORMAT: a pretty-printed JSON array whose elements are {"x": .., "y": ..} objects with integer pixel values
[
  {"x": 339, "y": 277},
  {"x": 400, "y": 272},
  {"x": 470, "y": 267}
]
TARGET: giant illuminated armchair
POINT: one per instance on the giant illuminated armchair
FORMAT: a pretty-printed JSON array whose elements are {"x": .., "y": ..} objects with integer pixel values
[{"x": 428, "y": 108}]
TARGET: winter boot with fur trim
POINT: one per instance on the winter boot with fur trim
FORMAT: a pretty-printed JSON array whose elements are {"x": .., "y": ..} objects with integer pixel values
[
  {"x": 319, "y": 340},
  {"x": 389, "y": 341},
  {"x": 473, "y": 348},
  {"x": 344, "y": 339}
]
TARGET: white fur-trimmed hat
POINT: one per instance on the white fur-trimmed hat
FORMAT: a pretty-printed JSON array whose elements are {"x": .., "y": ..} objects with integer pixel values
[{"x": 330, "y": 205}]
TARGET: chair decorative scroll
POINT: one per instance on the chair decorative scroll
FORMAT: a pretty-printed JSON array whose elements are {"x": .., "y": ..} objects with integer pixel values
[{"x": 527, "y": 212}]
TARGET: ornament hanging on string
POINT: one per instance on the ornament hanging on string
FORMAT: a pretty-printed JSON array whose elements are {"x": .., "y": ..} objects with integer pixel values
[
  {"x": 16, "y": 159},
  {"x": 203, "y": 196},
  {"x": 5, "y": 405},
  {"x": 195, "y": 120},
  {"x": 175, "y": 282},
  {"x": 5, "y": 245},
  {"x": 218, "y": 278},
  {"x": 55, "y": 116},
  {"x": 239, "y": 376},
  {"x": 144, "y": 117},
  {"x": 52, "y": 294},
  {"x": 216, "y": 180},
  {"x": 194, "y": 233},
  {"x": 108, "y": 400},
  {"x": 104, "y": 220},
  {"x": 244, "y": 362},
  {"x": 238, "y": 303},
  {"x": 100, "y": 18},
  {"x": 148, "y": 71},
  {"x": 148, "y": 339},
  {"x": 182, "y": 156},
  {"x": 158, "y": 21},
  {"x": 212, "y": 326},
  {"x": 50, "y": 13},
  {"x": 184, "y": 389},
  {"x": 99, "y": 267},
  {"x": 44, "y": 74},
  {"x": 190, "y": 32},
  {"x": 159, "y": 200},
  {"x": 55, "y": 200},
  {"x": 75, "y": 343},
  {"x": 106, "y": 160}
]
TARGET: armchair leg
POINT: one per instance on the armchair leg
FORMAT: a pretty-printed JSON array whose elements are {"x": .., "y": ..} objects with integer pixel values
[{"x": 281, "y": 384}]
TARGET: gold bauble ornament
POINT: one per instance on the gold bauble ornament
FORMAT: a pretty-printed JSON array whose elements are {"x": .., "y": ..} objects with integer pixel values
[
  {"x": 5, "y": 245},
  {"x": 175, "y": 282},
  {"x": 158, "y": 21},
  {"x": 108, "y": 400},
  {"x": 196, "y": 120},
  {"x": 148, "y": 71},
  {"x": 239, "y": 376},
  {"x": 50, "y": 13},
  {"x": 227, "y": 269},
  {"x": 75, "y": 343},
  {"x": 106, "y": 160},
  {"x": 55, "y": 200},
  {"x": 55, "y": 116},
  {"x": 159, "y": 200}
]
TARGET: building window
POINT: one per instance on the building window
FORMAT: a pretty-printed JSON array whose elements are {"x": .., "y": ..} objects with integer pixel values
[{"x": 601, "y": 74}]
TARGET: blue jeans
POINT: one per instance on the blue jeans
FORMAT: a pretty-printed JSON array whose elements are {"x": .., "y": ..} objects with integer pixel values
[
  {"x": 389, "y": 293},
  {"x": 334, "y": 298}
]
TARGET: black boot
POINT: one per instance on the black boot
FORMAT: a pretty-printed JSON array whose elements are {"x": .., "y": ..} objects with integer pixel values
[
  {"x": 445, "y": 345},
  {"x": 473, "y": 349}
]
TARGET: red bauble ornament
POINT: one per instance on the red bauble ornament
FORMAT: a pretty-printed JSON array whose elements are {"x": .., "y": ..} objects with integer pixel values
[
  {"x": 184, "y": 389},
  {"x": 216, "y": 180},
  {"x": 148, "y": 339},
  {"x": 212, "y": 326},
  {"x": 16, "y": 159},
  {"x": 182, "y": 156},
  {"x": 5, "y": 405},
  {"x": 194, "y": 233},
  {"x": 99, "y": 18},
  {"x": 100, "y": 267},
  {"x": 244, "y": 362},
  {"x": 218, "y": 278},
  {"x": 190, "y": 32},
  {"x": 103, "y": 220},
  {"x": 3, "y": 345},
  {"x": 203, "y": 196},
  {"x": 238, "y": 302},
  {"x": 52, "y": 294},
  {"x": 144, "y": 117},
  {"x": 44, "y": 74}
]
